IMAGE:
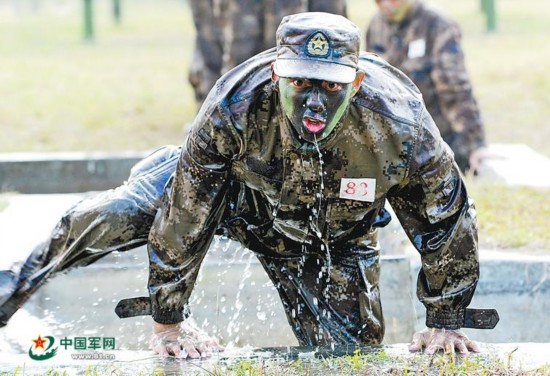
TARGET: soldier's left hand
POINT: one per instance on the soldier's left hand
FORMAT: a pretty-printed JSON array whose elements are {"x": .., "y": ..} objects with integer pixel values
[
  {"x": 442, "y": 339},
  {"x": 183, "y": 340}
]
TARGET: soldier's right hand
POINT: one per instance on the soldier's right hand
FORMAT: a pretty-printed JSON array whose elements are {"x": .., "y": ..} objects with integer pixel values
[{"x": 183, "y": 340}]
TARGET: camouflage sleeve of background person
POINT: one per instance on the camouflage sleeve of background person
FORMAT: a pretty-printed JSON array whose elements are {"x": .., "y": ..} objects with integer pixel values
[
  {"x": 328, "y": 6},
  {"x": 188, "y": 215},
  {"x": 433, "y": 206},
  {"x": 454, "y": 90}
]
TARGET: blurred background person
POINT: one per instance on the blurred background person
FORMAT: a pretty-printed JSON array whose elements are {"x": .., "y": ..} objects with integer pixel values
[
  {"x": 425, "y": 45},
  {"x": 230, "y": 31}
]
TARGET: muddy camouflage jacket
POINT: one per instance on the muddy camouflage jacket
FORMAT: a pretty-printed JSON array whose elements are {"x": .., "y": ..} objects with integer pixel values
[
  {"x": 386, "y": 141},
  {"x": 426, "y": 47}
]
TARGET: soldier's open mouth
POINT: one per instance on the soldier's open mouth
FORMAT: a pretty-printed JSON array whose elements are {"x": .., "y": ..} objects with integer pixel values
[{"x": 313, "y": 125}]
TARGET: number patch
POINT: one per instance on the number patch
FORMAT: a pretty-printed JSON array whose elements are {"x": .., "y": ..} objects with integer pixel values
[{"x": 360, "y": 189}]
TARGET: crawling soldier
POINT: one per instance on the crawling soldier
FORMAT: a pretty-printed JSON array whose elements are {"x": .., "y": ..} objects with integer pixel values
[{"x": 293, "y": 155}]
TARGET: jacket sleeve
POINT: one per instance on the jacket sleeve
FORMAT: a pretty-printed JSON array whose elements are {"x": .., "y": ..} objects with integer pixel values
[
  {"x": 191, "y": 209},
  {"x": 434, "y": 209},
  {"x": 454, "y": 90},
  {"x": 328, "y": 6}
]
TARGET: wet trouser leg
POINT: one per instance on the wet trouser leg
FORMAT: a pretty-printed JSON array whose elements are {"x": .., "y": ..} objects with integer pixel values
[
  {"x": 340, "y": 308},
  {"x": 114, "y": 220}
]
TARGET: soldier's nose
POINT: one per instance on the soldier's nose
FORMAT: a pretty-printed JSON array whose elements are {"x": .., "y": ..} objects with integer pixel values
[{"x": 314, "y": 101}]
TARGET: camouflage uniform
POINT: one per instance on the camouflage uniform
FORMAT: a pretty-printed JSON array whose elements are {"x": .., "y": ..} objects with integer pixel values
[
  {"x": 230, "y": 31},
  {"x": 243, "y": 169},
  {"x": 425, "y": 45}
]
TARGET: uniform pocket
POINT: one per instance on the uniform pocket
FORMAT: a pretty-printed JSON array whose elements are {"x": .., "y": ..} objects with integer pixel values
[
  {"x": 348, "y": 210},
  {"x": 348, "y": 218}
]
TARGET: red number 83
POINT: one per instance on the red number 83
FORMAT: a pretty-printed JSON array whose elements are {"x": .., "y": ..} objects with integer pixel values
[{"x": 351, "y": 189}]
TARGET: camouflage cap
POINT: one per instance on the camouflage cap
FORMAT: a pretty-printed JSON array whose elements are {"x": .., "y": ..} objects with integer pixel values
[{"x": 317, "y": 45}]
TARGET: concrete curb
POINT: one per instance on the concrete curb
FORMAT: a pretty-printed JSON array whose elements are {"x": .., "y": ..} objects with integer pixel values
[{"x": 65, "y": 172}]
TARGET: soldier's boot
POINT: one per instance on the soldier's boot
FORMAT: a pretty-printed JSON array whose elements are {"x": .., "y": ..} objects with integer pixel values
[
  {"x": 8, "y": 295},
  {"x": 17, "y": 288}
]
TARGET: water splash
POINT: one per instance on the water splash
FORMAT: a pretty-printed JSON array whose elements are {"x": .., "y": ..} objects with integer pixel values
[{"x": 319, "y": 196}]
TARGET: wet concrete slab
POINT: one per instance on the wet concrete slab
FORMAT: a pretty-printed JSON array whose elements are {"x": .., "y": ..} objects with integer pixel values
[
  {"x": 510, "y": 280},
  {"x": 28, "y": 220}
]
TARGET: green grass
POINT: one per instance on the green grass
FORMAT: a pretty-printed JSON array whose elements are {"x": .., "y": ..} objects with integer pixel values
[
  {"x": 126, "y": 91},
  {"x": 512, "y": 217},
  {"x": 378, "y": 363}
]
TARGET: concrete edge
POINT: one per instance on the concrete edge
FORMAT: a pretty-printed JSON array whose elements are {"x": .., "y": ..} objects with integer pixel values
[{"x": 69, "y": 172}]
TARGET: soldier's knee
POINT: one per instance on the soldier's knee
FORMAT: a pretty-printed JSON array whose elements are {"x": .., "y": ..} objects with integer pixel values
[{"x": 154, "y": 160}]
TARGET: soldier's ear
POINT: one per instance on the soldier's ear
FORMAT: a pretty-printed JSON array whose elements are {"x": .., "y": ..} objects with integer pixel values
[
  {"x": 357, "y": 82},
  {"x": 274, "y": 76}
]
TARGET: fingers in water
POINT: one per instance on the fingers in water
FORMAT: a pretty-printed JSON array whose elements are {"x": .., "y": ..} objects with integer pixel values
[
  {"x": 161, "y": 350},
  {"x": 462, "y": 348},
  {"x": 190, "y": 348},
  {"x": 432, "y": 349},
  {"x": 472, "y": 346},
  {"x": 174, "y": 349},
  {"x": 417, "y": 343}
]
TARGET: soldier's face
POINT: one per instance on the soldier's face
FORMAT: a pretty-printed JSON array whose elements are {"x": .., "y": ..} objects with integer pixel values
[
  {"x": 314, "y": 107},
  {"x": 394, "y": 10}
]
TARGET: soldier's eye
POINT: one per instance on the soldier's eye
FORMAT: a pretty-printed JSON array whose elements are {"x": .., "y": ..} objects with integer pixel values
[
  {"x": 300, "y": 83},
  {"x": 332, "y": 86}
]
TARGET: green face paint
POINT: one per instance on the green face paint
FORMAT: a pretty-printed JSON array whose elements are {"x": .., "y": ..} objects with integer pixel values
[{"x": 314, "y": 107}]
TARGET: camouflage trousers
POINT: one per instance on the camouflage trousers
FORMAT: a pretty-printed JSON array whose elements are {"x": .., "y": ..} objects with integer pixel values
[{"x": 330, "y": 296}]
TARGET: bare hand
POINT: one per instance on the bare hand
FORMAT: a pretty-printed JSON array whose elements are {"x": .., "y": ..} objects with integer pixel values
[
  {"x": 183, "y": 340},
  {"x": 476, "y": 159},
  {"x": 442, "y": 339}
]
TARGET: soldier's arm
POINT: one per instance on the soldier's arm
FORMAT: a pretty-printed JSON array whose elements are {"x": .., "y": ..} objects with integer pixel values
[
  {"x": 189, "y": 213},
  {"x": 433, "y": 206},
  {"x": 454, "y": 89}
]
